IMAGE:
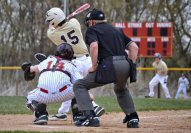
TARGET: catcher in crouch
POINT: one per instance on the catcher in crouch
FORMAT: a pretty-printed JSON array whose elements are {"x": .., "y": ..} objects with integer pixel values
[{"x": 57, "y": 75}]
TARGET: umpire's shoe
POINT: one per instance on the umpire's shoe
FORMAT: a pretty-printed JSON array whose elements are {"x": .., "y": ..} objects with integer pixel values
[
  {"x": 89, "y": 120},
  {"x": 42, "y": 120},
  {"x": 132, "y": 120}
]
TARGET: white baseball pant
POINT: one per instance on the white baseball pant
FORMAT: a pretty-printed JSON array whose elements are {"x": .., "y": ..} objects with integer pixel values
[{"x": 163, "y": 81}]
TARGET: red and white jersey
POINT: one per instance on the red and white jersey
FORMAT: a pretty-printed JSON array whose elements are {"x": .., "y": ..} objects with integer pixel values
[
  {"x": 55, "y": 75},
  {"x": 53, "y": 78}
]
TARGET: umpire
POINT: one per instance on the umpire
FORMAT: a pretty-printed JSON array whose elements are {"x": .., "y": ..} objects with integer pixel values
[{"x": 110, "y": 46}]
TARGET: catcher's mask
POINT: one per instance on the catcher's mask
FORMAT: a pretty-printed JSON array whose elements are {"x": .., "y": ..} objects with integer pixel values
[{"x": 65, "y": 51}]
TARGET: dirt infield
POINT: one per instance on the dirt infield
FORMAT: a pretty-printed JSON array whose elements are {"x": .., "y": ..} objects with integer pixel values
[{"x": 150, "y": 122}]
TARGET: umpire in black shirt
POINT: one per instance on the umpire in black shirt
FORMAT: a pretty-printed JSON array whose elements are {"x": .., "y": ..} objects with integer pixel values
[{"x": 106, "y": 43}]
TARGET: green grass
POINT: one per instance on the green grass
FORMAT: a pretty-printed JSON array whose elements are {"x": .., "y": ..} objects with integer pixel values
[
  {"x": 162, "y": 104},
  {"x": 16, "y": 104},
  {"x": 145, "y": 104}
]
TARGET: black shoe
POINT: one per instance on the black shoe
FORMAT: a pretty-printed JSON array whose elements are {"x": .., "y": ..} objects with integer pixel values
[
  {"x": 134, "y": 123},
  {"x": 42, "y": 120},
  {"x": 99, "y": 111},
  {"x": 148, "y": 97},
  {"x": 76, "y": 118},
  {"x": 87, "y": 121},
  {"x": 132, "y": 120}
]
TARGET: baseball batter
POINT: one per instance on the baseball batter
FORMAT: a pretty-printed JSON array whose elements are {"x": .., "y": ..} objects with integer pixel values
[
  {"x": 161, "y": 76},
  {"x": 69, "y": 31},
  {"x": 60, "y": 30},
  {"x": 182, "y": 86}
]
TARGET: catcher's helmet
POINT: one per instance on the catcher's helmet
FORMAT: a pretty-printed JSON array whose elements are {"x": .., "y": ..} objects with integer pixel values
[
  {"x": 65, "y": 51},
  {"x": 54, "y": 16},
  {"x": 157, "y": 55}
]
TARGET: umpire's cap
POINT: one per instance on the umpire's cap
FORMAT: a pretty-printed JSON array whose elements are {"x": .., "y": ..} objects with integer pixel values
[
  {"x": 158, "y": 55},
  {"x": 96, "y": 15}
]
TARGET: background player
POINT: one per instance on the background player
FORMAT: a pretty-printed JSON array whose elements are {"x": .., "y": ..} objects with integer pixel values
[
  {"x": 182, "y": 86},
  {"x": 62, "y": 30},
  {"x": 161, "y": 76}
]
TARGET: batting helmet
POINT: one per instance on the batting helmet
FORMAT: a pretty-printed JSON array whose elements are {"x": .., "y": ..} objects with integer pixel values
[
  {"x": 54, "y": 16},
  {"x": 157, "y": 55},
  {"x": 65, "y": 51}
]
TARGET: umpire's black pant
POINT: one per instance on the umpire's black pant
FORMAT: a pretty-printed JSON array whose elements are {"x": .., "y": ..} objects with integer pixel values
[{"x": 122, "y": 68}]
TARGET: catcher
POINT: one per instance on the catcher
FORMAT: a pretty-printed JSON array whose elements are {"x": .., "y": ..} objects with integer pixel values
[{"x": 55, "y": 84}]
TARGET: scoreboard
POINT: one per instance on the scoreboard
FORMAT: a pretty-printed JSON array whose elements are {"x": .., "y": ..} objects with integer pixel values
[{"x": 151, "y": 37}]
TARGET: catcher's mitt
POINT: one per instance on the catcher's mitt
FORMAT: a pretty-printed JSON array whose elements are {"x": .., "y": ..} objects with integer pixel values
[
  {"x": 27, "y": 74},
  {"x": 25, "y": 65},
  {"x": 40, "y": 57}
]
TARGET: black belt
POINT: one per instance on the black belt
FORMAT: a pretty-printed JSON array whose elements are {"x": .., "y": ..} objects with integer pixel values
[
  {"x": 60, "y": 90},
  {"x": 114, "y": 58},
  {"x": 119, "y": 57},
  {"x": 81, "y": 56}
]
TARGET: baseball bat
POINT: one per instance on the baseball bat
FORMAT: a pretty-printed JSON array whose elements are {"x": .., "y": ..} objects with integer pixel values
[{"x": 79, "y": 10}]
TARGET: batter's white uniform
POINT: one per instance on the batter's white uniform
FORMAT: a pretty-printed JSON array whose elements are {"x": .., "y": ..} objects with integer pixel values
[
  {"x": 70, "y": 32},
  {"x": 182, "y": 86},
  {"x": 160, "y": 77},
  {"x": 54, "y": 85}
]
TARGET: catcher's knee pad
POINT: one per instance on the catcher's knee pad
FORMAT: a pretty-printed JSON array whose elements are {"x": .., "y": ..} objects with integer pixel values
[{"x": 36, "y": 106}]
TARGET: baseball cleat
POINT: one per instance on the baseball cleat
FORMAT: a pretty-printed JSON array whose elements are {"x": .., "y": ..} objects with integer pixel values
[
  {"x": 134, "y": 123},
  {"x": 58, "y": 117},
  {"x": 99, "y": 111},
  {"x": 148, "y": 97},
  {"x": 88, "y": 121},
  {"x": 132, "y": 120},
  {"x": 42, "y": 120}
]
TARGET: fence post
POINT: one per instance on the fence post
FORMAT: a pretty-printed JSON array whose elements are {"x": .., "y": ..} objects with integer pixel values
[
  {"x": 16, "y": 86},
  {"x": 158, "y": 88}
]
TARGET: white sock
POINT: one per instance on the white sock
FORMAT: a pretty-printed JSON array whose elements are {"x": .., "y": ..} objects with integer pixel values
[{"x": 94, "y": 104}]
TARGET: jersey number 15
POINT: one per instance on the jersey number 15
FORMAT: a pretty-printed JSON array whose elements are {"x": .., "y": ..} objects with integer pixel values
[{"x": 74, "y": 39}]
